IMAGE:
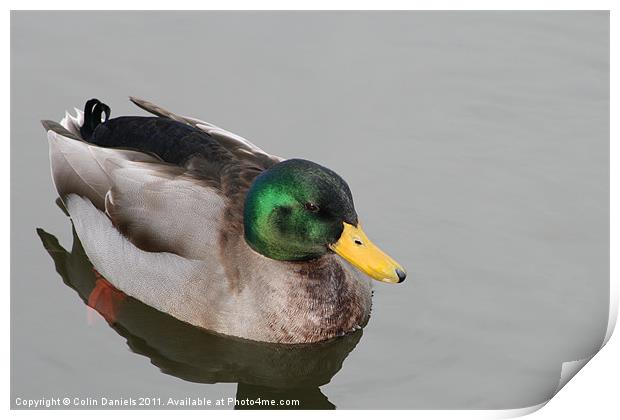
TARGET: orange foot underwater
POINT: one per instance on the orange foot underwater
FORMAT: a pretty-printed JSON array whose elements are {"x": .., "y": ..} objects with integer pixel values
[{"x": 105, "y": 298}]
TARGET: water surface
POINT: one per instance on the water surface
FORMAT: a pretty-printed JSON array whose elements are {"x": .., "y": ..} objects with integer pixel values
[{"x": 476, "y": 145}]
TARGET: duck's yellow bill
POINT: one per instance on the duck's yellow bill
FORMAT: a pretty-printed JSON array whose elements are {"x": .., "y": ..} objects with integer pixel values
[{"x": 355, "y": 247}]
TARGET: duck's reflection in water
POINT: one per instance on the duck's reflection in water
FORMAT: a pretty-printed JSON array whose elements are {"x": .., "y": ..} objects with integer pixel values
[{"x": 262, "y": 370}]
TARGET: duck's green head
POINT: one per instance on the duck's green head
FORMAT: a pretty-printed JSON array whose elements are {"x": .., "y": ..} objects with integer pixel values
[{"x": 299, "y": 210}]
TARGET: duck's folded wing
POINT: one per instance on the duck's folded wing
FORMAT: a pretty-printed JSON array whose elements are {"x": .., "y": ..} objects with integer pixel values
[
  {"x": 161, "y": 209},
  {"x": 76, "y": 166},
  {"x": 155, "y": 205}
]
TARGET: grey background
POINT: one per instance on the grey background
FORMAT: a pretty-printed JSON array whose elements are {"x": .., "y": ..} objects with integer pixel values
[{"x": 475, "y": 143}]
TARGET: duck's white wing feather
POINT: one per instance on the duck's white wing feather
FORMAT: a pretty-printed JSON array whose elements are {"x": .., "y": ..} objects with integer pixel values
[{"x": 73, "y": 124}]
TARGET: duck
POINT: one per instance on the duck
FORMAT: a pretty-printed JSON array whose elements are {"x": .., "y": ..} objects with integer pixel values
[{"x": 201, "y": 224}]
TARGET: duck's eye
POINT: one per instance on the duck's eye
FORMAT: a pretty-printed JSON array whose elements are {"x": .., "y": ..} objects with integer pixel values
[{"x": 311, "y": 207}]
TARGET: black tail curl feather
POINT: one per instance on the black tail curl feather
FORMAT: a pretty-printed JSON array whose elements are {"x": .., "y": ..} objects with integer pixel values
[{"x": 95, "y": 113}]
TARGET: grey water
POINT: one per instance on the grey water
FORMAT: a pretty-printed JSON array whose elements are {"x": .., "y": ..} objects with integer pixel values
[{"x": 476, "y": 145}]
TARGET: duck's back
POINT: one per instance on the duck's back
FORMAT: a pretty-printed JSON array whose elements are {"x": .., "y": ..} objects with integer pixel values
[{"x": 172, "y": 141}]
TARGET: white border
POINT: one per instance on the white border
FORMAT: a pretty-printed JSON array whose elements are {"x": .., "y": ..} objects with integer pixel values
[{"x": 593, "y": 393}]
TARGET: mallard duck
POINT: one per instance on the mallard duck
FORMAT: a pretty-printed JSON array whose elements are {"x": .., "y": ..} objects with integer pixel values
[{"x": 201, "y": 224}]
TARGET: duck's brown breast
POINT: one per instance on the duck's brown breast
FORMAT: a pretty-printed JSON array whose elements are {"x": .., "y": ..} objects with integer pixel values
[
  {"x": 324, "y": 299},
  {"x": 291, "y": 302}
]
